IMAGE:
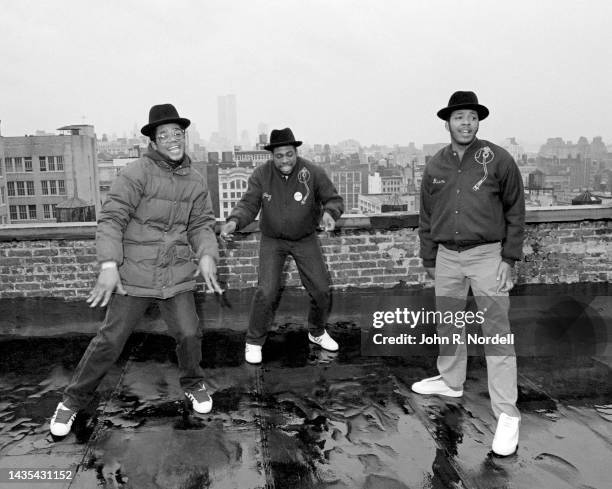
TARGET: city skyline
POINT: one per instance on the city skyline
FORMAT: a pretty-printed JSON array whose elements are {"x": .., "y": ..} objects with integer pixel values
[{"x": 332, "y": 71}]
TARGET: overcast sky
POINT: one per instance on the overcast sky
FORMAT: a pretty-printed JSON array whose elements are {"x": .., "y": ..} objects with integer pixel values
[{"x": 373, "y": 70}]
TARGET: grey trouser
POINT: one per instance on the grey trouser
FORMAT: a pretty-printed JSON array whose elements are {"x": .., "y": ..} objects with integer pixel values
[{"x": 455, "y": 273}]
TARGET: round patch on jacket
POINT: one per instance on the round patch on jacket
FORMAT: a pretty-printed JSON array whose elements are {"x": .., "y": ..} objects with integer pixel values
[{"x": 298, "y": 196}]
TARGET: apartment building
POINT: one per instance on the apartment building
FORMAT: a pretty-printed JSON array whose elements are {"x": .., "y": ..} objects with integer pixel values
[
  {"x": 3, "y": 197},
  {"x": 232, "y": 185},
  {"x": 42, "y": 171}
]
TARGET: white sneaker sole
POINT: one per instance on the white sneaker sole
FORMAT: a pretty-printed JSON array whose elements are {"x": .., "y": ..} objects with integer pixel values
[{"x": 422, "y": 390}]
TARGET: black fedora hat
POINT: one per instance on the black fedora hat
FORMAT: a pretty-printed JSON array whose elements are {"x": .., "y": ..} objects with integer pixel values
[
  {"x": 282, "y": 137},
  {"x": 463, "y": 100},
  {"x": 163, "y": 114}
]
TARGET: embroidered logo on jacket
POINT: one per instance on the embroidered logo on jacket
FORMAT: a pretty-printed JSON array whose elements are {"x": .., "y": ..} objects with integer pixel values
[
  {"x": 267, "y": 196},
  {"x": 304, "y": 178},
  {"x": 484, "y": 156},
  {"x": 437, "y": 181}
]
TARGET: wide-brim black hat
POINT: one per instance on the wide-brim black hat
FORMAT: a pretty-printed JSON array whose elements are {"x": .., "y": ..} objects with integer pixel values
[
  {"x": 163, "y": 114},
  {"x": 463, "y": 100},
  {"x": 282, "y": 137}
]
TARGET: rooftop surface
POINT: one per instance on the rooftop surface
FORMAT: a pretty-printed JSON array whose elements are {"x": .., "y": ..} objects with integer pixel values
[{"x": 307, "y": 418}]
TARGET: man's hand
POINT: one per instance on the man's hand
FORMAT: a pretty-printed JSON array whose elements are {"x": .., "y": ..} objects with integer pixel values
[
  {"x": 504, "y": 277},
  {"x": 227, "y": 229},
  {"x": 431, "y": 272},
  {"x": 208, "y": 269},
  {"x": 108, "y": 282},
  {"x": 327, "y": 222}
]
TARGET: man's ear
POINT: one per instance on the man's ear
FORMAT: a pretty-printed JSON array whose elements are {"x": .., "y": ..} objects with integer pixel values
[
  {"x": 154, "y": 145},
  {"x": 446, "y": 126}
]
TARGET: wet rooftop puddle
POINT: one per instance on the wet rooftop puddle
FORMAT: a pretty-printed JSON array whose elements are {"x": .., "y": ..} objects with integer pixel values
[{"x": 306, "y": 419}]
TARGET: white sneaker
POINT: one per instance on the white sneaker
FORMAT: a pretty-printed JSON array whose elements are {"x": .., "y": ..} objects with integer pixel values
[
  {"x": 200, "y": 400},
  {"x": 324, "y": 341},
  {"x": 252, "y": 353},
  {"x": 435, "y": 385},
  {"x": 506, "y": 435},
  {"x": 62, "y": 419}
]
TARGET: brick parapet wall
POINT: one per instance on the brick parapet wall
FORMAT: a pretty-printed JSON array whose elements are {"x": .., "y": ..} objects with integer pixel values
[{"x": 364, "y": 252}]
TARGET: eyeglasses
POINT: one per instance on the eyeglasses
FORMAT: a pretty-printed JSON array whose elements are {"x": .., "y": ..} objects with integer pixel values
[{"x": 165, "y": 136}]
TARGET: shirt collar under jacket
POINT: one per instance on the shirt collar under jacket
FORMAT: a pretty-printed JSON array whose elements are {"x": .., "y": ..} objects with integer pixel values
[{"x": 471, "y": 149}]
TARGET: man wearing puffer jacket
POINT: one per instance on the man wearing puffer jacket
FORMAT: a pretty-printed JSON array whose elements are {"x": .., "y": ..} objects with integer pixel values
[{"x": 157, "y": 214}]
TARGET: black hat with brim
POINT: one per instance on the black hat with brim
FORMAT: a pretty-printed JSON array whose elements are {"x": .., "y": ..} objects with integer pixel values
[
  {"x": 463, "y": 100},
  {"x": 282, "y": 137},
  {"x": 163, "y": 114}
]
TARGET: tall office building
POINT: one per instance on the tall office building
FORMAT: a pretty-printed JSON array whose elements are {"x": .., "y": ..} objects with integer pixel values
[
  {"x": 228, "y": 127},
  {"x": 350, "y": 181}
]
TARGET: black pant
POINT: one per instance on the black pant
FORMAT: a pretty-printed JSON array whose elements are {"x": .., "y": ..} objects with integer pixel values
[
  {"x": 122, "y": 315},
  {"x": 309, "y": 260}
]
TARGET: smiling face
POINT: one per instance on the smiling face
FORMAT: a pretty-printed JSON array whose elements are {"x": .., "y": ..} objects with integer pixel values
[
  {"x": 463, "y": 126},
  {"x": 285, "y": 159},
  {"x": 170, "y": 141}
]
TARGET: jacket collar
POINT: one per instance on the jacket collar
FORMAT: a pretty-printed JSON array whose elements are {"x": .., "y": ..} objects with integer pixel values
[{"x": 183, "y": 169}]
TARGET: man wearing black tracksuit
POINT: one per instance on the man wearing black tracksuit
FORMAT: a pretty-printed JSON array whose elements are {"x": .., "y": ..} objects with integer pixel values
[{"x": 294, "y": 195}]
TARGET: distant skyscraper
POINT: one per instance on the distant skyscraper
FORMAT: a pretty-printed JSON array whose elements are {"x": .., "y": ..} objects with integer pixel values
[
  {"x": 245, "y": 141},
  {"x": 228, "y": 128},
  {"x": 514, "y": 148},
  {"x": 262, "y": 128}
]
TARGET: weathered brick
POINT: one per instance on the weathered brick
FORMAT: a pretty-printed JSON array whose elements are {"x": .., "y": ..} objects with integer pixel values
[
  {"x": 19, "y": 252},
  {"x": 44, "y": 252},
  {"x": 28, "y": 286},
  {"x": 85, "y": 259}
]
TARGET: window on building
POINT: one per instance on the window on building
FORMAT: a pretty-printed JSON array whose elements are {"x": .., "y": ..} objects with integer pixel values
[
  {"x": 225, "y": 185},
  {"x": 23, "y": 212},
  {"x": 232, "y": 184},
  {"x": 0, "y": 167},
  {"x": 8, "y": 163},
  {"x": 32, "y": 212},
  {"x": 28, "y": 163},
  {"x": 60, "y": 187},
  {"x": 52, "y": 187},
  {"x": 30, "y": 187},
  {"x": 13, "y": 212},
  {"x": 50, "y": 163},
  {"x": 20, "y": 188},
  {"x": 2, "y": 196},
  {"x": 18, "y": 164},
  {"x": 42, "y": 162},
  {"x": 11, "y": 188},
  {"x": 49, "y": 211},
  {"x": 44, "y": 186},
  {"x": 59, "y": 161}
]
